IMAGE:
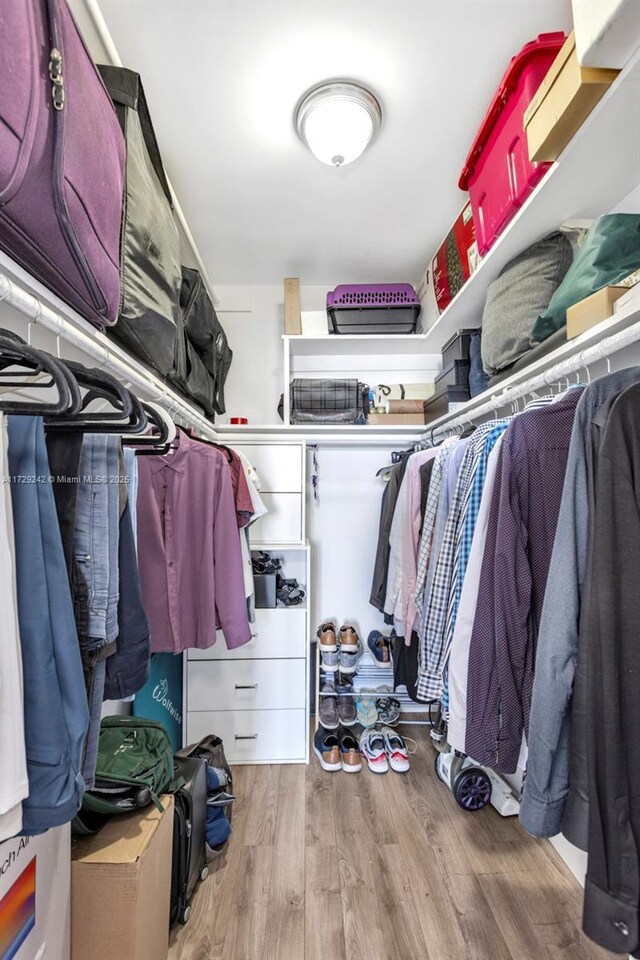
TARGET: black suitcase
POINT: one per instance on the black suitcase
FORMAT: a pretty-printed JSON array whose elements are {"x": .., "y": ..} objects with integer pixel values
[{"x": 190, "y": 818}]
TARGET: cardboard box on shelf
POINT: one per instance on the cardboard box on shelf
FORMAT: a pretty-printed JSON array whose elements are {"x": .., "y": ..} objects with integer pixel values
[
  {"x": 403, "y": 391},
  {"x": 564, "y": 100},
  {"x": 592, "y": 310},
  {"x": 395, "y": 419},
  {"x": 630, "y": 299},
  {"x": 121, "y": 886}
]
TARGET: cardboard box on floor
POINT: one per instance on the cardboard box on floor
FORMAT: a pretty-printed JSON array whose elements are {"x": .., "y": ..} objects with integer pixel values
[
  {"x": 120, "y": 888},
  {"x": 564, "y": 100},
  {"x": 592, "y": 310}
]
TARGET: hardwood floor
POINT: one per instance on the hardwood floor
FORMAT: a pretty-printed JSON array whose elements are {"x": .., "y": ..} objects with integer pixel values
[{"x": 357, "y": 867}]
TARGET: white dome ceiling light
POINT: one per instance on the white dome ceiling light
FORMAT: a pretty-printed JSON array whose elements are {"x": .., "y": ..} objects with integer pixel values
[{"x": 337, "y": 120}]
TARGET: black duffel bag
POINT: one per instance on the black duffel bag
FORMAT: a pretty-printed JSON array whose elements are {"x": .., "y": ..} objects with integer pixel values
[
  {"x": 206, "y": 343},
  {"x": 149, "y": 319}
]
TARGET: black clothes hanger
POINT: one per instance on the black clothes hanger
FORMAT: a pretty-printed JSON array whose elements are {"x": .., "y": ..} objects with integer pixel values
[
  {"x": 128, "y": 417},
  {"x": 36, "y": 381},
  {"x": 157, "y": 444},
  {"x": 15, "y": 352}
]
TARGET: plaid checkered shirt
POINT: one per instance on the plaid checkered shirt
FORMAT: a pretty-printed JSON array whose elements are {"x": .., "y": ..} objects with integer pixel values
[
  {"x": 436, "y": 605},
  {"x": 428, "y": 525},
  {"x": 466, "y": 529}
]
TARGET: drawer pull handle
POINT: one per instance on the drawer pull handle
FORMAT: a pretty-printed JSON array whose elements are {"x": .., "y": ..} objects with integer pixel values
[
  {"x": 246, "y": 686},
  {"x": 251, "y": 736}
]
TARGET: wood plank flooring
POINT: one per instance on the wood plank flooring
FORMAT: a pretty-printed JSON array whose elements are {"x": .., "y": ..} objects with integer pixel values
[{"x": 357, "y": 867}]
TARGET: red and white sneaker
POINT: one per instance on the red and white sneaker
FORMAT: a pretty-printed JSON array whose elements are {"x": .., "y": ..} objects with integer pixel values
[
  {"x": 372, "y": 748},
  {"x": 396, "y": 750}
]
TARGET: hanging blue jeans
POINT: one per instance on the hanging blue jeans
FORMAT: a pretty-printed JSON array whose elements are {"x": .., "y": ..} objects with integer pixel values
[
  {"x": 55, "y": 704},
  {"x": 96, "y": 587}
]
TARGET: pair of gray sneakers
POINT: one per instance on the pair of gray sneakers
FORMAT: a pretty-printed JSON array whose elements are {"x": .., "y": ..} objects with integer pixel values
[{"x": 336, "y": 704}]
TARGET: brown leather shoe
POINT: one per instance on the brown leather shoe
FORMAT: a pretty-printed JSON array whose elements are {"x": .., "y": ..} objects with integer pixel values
[
  {"x": 327, "y": 749},
  {"x": 351, "y": 761},
  {"x": 348, "y": 639},
  {"x": 327, "y": 636}
]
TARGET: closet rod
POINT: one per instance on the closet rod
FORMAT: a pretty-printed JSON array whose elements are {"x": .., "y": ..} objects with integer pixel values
[
  {"x": 114, "y": 360},
  {"x": 107, "y": 41},
  {"x": 558, "y": 371}
]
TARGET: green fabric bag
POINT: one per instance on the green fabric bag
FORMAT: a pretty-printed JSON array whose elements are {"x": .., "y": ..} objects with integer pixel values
[
  {"x": 611, "y": 251},
  {"x": 134, "y": 766}
]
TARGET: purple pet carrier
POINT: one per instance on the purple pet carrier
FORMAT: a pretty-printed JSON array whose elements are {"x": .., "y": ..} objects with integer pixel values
[{"x": 373, "y": 308}]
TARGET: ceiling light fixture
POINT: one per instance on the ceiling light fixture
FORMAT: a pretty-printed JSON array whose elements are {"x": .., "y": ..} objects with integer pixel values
[{"x": 337, "y": 120}]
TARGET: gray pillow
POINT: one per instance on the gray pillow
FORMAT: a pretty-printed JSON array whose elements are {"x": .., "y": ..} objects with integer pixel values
[{"x": 517, "y": 298}]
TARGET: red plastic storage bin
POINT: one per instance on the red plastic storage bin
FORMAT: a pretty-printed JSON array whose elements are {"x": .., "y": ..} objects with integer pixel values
[{"x": 498, "y": 173}]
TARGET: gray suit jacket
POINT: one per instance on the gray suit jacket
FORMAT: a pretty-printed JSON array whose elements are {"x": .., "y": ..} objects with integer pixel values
[{"x": 556, "y": 791}]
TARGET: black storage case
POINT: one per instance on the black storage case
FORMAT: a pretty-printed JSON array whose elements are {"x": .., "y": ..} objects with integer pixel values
[
  {"x": 457, "y": 375},
  {"x": 188, "y": 863},
  {"x": 456, "y": 348},
  {"x": 438, "y": 405},
  {"x": 381, "y": 320}
]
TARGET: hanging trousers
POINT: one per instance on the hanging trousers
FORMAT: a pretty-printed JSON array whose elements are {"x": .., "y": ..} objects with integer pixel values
[{"x": 55, "y": 705}]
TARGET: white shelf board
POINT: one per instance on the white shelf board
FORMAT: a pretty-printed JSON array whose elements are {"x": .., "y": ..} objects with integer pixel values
[
  {"x": 267, "y": 545},
  {"x": 597, "y": 169},
  {"x": 304, "y": 432},
  {"x": 352, "y": 345}
]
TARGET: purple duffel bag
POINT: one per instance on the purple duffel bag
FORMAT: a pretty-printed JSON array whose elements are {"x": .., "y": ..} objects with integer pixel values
[{"x": 62, "y": 159}]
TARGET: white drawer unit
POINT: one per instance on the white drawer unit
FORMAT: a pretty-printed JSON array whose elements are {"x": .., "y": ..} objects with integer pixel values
[
  {"x": 246, "y": 684},
  {"x": 284, "y": 521},
  {"x": 254, "y": 736},
  {"x": 279, "y": 633},
  {"x": 280, "y": 466},
  {"x": 257, "y": 697}
]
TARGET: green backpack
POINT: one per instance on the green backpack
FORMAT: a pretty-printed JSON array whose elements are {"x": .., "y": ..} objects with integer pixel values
[{"x": 134, "y": 766}]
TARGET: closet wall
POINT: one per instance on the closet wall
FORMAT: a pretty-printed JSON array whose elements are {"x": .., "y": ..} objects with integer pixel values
[
  {"x": 343, "y": 530},
  {"x": 253, "y": 319}
]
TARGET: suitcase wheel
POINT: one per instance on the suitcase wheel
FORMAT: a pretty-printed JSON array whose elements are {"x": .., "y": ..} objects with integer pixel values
[
  {"x": 204, "y": 873},
  {"x": 184, "y": 914}
]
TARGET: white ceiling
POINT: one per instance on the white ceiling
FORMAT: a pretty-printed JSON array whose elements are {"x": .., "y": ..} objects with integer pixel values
[{"x": 222, "y": 78}]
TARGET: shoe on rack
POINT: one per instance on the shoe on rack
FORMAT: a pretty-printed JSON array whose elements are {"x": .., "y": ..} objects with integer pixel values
[
  {"x": 372, "y": 748},
  {"x": 328, "y": 706},
  {"x": 349, "y": 639},
  {"x": 346, "y": 705},
  {"x": 349, "y": 661},
  {"x": 327, "y": 749},
  {"x": 349, "y": 752},
  {"x": 380, "y": 648},
  {"x": 326, "y": 634},
  {"x": 388, "y": 706},
  {"x": 329, "y": 660},
  {"x": 396, "y": 750},
  {"x": 366, "y": 710}
]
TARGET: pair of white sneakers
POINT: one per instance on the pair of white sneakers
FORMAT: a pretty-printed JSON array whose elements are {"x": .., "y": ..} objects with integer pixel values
[{"x": 384, "y": 748}]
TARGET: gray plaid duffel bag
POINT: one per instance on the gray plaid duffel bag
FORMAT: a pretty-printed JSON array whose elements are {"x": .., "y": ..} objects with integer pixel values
[{"x": 329, "y": 401}]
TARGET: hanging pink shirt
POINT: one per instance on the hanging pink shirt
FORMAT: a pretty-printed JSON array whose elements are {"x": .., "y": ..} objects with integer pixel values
[{"x": 188, "y": 549}]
